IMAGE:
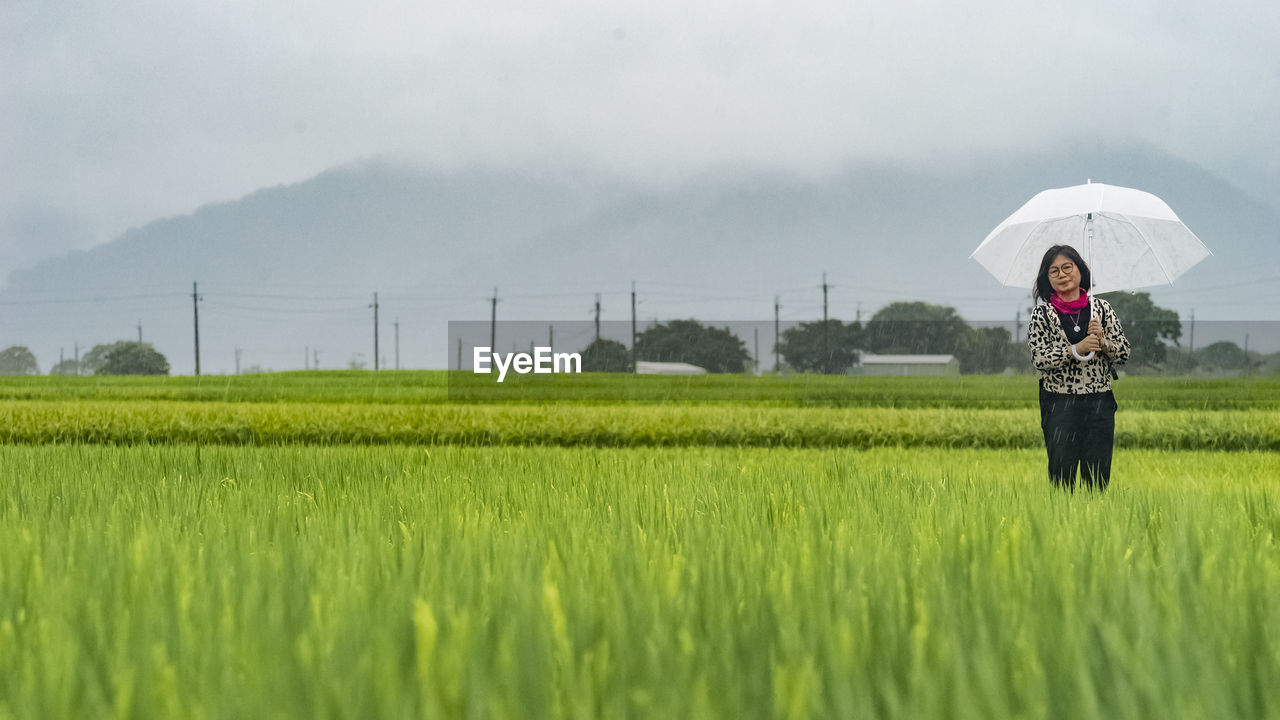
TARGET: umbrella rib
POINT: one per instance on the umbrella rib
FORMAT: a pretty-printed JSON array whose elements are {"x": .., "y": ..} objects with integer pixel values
[
  {"x": 1026, "y": 239},
  {"x": 1154, "y": 254}
]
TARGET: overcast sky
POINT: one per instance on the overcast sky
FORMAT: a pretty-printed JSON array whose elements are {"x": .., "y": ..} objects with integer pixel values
[{"x": 115, "y": 114}]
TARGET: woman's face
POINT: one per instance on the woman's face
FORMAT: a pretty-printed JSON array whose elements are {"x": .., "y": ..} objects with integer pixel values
[{"x": 1064, "y": 275}]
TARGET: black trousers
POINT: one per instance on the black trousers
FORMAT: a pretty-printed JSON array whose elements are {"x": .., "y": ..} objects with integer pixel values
[{"x": 1079, "y": 430}]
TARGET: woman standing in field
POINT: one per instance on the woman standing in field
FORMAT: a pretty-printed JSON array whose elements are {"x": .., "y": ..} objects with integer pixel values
[{"x": 1075, "y": 339}]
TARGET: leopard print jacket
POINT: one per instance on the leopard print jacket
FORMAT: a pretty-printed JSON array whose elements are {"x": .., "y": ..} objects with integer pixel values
[{"x": 1060, "y": 371}]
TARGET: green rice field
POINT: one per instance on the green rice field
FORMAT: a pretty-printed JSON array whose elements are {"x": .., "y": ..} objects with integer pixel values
[
  {"x": 417, "y": 387},
  {"x": 312, "y": 547}
]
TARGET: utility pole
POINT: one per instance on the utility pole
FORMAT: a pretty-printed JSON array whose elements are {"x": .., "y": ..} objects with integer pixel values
[
  {"x": 824, "y": 298},
  {"x": 597, "y": 316},
  {"x": 756, "y": 358},
  {"x": 375, "y": 331},
  {"x": 237, "y": 361},
  {"x": 306, "y": 357},
  {"x": 633, "y": 324},
  {"x": 315, "y": 357},
  {"x": 77, "y": 357},
  {"x": 1017, "y": 324},
  {"x": 777, "y": 364},
  {"x": 1246, "y": 353},
  {"x": 493, "y": 323},
  {"x": 459, "y": 353},
  {"x": 397, "y": 324},
  {"x": 551, "y": 338},
  {"x": 826, "y": 347},
  {"x": 859, "y": 313},
  {"x": 139, "y": 331},
  {"x": 1193, "y": 330},
  {"x": 195, "y": 309}
]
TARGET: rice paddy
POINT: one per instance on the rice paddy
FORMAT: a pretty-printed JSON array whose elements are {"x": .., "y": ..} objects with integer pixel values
[{"x": 283, "y": 556}]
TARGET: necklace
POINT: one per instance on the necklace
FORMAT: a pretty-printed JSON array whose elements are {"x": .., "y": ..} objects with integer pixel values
[
  {"x": 1075, "y": 317},
  {"x": 1079, "y": 304}
]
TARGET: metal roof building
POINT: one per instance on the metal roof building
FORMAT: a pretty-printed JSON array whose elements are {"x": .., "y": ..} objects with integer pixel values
[
  {"x": 646, "y": 367},
  {"x": 870, "y": 364}
]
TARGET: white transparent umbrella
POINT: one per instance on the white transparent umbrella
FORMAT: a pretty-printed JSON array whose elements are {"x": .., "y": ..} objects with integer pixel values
[{"x": 1129, "y": 238}]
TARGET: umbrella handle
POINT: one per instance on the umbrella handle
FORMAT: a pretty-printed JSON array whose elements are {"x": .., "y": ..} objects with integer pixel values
[{"x": 1083, "y": 358}]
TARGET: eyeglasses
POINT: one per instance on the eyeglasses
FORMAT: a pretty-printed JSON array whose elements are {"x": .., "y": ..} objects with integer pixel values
[{"x": 1066, "y": 269}]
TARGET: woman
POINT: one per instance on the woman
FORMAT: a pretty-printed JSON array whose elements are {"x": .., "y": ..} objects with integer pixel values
[{"x": 1075, "y": 339}]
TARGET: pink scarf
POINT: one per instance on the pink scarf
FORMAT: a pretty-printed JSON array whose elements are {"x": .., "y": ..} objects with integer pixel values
[{"x": 1063, "y": 306}]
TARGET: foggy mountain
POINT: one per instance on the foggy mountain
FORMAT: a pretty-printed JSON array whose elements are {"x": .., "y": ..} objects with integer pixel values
[{"x": 882, "y": 233}]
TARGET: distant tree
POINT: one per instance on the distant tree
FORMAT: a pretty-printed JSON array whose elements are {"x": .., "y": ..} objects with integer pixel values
[
  {"x": 18, "y": 360},
  {"x": 1222, "y": 356},
  {"x": 915, "y": 328},
  {"x": 1269, "y": 364},
  {"x": 1020, "y": 357},
  {"x": 1144, "y": 324},
  {"x": 66, "y": 367},
  {"x": 94, "y": 359},
  {"x": 133, "y": 358},
  {"x": 356, "y": 362},
  {"x": 716, "y": 350},
  {"x": 1178, "y": 361},
  {"x": 802, "y": 346},
  {"x": 604, "y": 355},
  {"x": 986, "y": 350}
]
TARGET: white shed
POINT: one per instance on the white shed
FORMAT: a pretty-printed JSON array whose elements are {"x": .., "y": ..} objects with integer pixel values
[
  {"x": 646, "y": 367},
  {"x": 870, "y": 364}
]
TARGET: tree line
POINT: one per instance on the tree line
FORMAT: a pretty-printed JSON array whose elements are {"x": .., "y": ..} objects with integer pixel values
[
  {"x": 830, "y": 347},
  {"x": 125, "y": 357},
  {"x": 908, "y": 328}
]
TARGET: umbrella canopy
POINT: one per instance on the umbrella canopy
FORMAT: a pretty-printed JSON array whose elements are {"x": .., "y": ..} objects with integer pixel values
[{"x": 1129, "y": 238}]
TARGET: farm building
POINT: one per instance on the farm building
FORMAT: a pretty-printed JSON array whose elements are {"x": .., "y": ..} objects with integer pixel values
[
  {"x": 645, "y": 367},
  {"x": 906, "y": 365}
]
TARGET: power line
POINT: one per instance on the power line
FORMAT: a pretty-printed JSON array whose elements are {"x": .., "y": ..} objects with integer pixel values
[
  {"x": 99, "y": 288},
  {"x": 259, "y": 308},
  {"x": 552, "y": 295},
  {"x": 1212, "y": 288},
  {"x": 348, "y": 318},
  {"x": 348, "y": 298},
  {"x": 99, "y": 299}
]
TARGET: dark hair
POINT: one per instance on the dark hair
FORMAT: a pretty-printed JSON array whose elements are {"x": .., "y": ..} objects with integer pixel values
[{"x": 1042, "y": 290}]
